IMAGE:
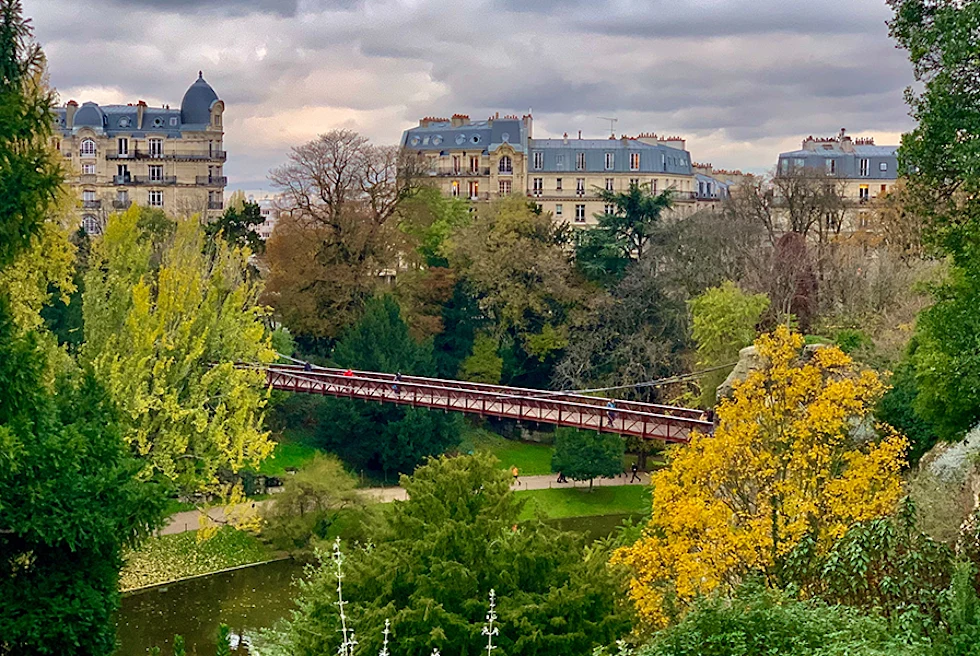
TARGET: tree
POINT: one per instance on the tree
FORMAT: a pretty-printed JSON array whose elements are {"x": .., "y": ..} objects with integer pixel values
[
  {"x": 164, "y": 338},
  {"x": 483, "y": 365},
  {"x": 621, "y": 237},
  {"x": 897, "y": 408},
  {"x": 724, "y": 321},
  {"x": 338, "y": 232},
  {"x": 237, "y": 226},
  {"x": 514, "y": 260},
  {"x": 761, "y": 621},
  {"x": 780, "y": 466},
  {"x": 430, "y": 572},
  {"x": 69, "y": 503},
  {"x": 312, "y": 503},
  {"x": 31, "y": 173},
  {"x": 582, "y": 455},
  {"x": 384, "y": 437},
  {"x": 635, "y": 334}
]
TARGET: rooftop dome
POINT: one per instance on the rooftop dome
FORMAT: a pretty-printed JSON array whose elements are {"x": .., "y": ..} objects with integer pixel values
[
  {"x": 195, "y": 108},
  {"x": 89, "y": 115}
]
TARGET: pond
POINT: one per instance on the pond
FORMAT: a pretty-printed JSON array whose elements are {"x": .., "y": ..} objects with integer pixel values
[{"x": 246, "y": 600}]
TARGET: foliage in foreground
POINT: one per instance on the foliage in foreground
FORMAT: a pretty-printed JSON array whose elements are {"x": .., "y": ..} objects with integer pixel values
[
  {"x": 430, "y": 572},
  {"x": 165, "y": 323},
  {"x": 780, "y": 467},
  {"x": 759, "y": 621}
]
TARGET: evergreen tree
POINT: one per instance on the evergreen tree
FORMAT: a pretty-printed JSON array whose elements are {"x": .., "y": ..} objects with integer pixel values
[
  {"x": 237, "y": 226},
  {"x": 582, "y": 455},
  {"x": 384, "y": 437}
]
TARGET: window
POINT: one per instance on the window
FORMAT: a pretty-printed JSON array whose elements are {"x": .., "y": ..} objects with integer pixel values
[
  {"x": 474, "y": 189},
  {"x": 538, "y": 160},
  {"x": 865, "y": 168},
  {"x": 474, "y": 164},
  {"x": 217, "y": 120},
  {"x": 123, "y": 146},
  {"x": 610, "y": 161},
  {"x": 156, "y": 147},
  {"x": 884, "y": 189},
  {"x": 558, "y": 209},
  {"x": 454, "y": 189},
  {"x": 579, "y": 161},
  {"x": 122, "y": 198},
  {"x": 88, "y": 148},
  {"x": 634, "y": 182},
  {"x": 558, "y": 184},
  {"x": 155, "y": 199},
  {"x": 863, "y": 193},
  {"x": 88, "y": 169},
  {"x": 784, "y": 166},
  {"x": 560, "y": 162},
  {"x": 173, "y": 120},
  {"x": 580, "y": 186},
  {"x": 883, "y": 166},
  {"x": 610, "y": 184},
  {"x": 609, "y": 208},
  {"x": 580, "y": 213},
  {"x": 457, "y": 164},
  {"x": 537, "y": 185},
  {"x": 634, "y": 161},
  {"x": 505, "y": 166},
  {"x": 831, "y": 166},
  {"x": 90, "y": 225},
  {"x": 122, "y": 173},
  {"x": 504, "y": 187},
  {"x": 156, "y": 172},
  {"x": 88, "y": 195},
  {"x": 654, "y": 183}
]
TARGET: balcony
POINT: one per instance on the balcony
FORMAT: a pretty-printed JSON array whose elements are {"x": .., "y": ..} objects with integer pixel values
[
  {"x": 120, "y": 204},
  {"x": 212, "y": 180},
  {"x": 216, "y": 205},
  {"x": 459, "y": 173},
  {"x": 160, "y": 181},
  {"x": 122, "y": 179},
  {"x": 92, "y": 204},
  {"x": 202, "y": 156}
]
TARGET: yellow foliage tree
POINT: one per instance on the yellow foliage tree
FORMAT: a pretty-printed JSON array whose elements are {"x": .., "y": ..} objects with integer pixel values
[{"x": 783, "y": 463}]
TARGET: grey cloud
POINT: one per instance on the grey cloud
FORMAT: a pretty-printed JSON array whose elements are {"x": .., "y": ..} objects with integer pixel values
[{"x": 227, "y": 7}]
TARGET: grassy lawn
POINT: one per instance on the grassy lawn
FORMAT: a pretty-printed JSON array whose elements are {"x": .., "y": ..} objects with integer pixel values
[
  {"x": 171, "y": 557},
  {"x": 579, "y": 502},
  {"x": 288, "y": 454},
  {"x": 529, "y": 458}
]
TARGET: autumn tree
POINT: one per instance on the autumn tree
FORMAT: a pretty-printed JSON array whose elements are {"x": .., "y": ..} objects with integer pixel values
[
  {"x": 724, "y": 321},
  {"x": 340, "y": 196},
  {"x": 164, "y": 338},
  {"x": 781, "y": 467},
  {"x": 583, "y": 455},
  {"x": 514, "y": 259}
]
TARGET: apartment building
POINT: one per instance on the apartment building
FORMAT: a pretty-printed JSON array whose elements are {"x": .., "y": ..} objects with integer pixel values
[
  {"x": 117, "y": 155},
  {"x": 481, "y": 160},
  {"x": 861, "y": 170}
]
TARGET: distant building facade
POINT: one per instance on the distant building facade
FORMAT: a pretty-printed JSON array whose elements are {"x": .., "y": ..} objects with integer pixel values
[
  {"x": 862, "y": 170},
  {"x": 498, "y": 157},
  {"x": 117, "y": 155}
]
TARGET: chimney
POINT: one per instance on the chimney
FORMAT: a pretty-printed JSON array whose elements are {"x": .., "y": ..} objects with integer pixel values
[
  {"x": 140, "y": 108},
  {"x": 459, "y": 120},
  {"x": 565, "y": 138},
  {"x": 579, "y": 134},
  {"x": 70, "y": 110}
]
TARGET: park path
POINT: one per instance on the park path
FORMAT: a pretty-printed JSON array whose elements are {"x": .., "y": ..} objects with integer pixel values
[{"x": 190, "y": 520}]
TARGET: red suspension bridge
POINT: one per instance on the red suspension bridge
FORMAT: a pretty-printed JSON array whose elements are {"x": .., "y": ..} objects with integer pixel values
[{"x": 644, "y": 420}]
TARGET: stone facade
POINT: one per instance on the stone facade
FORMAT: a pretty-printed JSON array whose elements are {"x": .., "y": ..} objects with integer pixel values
[{"x": 117, "y": 155}]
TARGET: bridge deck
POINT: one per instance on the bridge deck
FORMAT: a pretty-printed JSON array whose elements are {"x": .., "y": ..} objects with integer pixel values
[{"x": 644, "y": 420}]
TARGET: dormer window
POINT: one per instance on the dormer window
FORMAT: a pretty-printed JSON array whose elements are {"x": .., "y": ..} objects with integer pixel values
[
  {"x": 173, "y": 120},
  {"x": 157, "y": 122},
  {"x": 124, "y": 122}
]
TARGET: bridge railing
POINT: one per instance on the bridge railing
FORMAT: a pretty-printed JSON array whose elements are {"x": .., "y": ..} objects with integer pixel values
[
  {"x": 557, "y": 411},
  {"x": 638, "y": 406}
]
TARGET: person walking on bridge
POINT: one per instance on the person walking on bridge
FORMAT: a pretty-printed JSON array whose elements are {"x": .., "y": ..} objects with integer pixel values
[
  {"x": 398, "y": 379},
  {"x": 610, "y": 411}
]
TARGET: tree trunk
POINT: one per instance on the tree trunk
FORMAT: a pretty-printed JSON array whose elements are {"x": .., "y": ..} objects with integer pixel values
[
  {"x": 590, "y": 484},
  {"x": 641, "y": 460}
]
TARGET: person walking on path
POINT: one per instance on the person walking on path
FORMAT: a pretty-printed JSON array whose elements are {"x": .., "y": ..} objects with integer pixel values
[
  {"x": 561, "y": 477},
  {"x": 634, "y": 469},
  {"x": 517, "y": 481}
]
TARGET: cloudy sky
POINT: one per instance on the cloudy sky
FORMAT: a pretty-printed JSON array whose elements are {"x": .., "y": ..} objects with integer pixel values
[{"x": 742, "y": 80}]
